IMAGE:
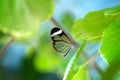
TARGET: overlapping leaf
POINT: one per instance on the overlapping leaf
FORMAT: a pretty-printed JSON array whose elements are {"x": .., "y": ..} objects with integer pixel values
[
  {"x": 110, "y": 45},
  {"x": 22, "y": 17},
  {"x": 95, "y": 22}
]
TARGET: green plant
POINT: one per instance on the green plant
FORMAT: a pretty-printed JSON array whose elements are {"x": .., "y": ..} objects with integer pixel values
[{"x": 20, "y": 19}]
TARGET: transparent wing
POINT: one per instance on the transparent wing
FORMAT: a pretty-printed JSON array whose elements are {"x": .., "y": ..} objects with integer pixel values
[{"x": 61, "y": 43}]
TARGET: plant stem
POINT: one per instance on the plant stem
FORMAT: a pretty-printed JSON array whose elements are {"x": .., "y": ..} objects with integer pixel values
[
  {"x": 93, "y": 38},
  {"x": 55, "y": 22},
  {"x": 73, "y": 61},
  {"x": 6, "y": 46},
  {"x": 92, "y": 59}
]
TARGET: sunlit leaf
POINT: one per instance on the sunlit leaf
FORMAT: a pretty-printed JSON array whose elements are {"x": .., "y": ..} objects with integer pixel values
[
  {"x": 110, "y": 49},
  {"x": 110, "y": 45},
  {"x": 113, "y": 11},
  {"x": 94, "y": 23},
  {"x": 82, "y": 73},
  {"x": 22, "y": 17}
]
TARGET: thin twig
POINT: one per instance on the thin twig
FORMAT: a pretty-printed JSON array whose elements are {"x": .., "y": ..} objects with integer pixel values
[
  {"x": 95, "y": 37},
  {"x": 6, "y": 46},
  {"x": 94, "y": 64},
  {"x": 92, "y": 59},
  {"x": 55, "y": 22}
]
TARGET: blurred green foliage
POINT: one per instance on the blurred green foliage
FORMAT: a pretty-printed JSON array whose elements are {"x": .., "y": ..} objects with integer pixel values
[{"x": 22, "y": 17}]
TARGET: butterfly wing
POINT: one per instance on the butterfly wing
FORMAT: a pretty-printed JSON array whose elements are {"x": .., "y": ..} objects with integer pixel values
[{"x": 61, "y": 42}]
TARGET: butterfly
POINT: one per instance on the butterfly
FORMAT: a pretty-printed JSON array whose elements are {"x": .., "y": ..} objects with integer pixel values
[{"x": 62, "y": 42}]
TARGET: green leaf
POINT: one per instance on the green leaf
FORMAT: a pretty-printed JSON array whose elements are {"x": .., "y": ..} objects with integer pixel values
[
  {"x": 40, "y": 8},
  {"x": 111, "y": 72},
  {"x": 110, "y": 50},
  {"x": 82, "y": 73},
  {"x": 94, "y": 23},
  {"x": 113, "y": 11},
  {"x": 22, "y": 17},
  {"x": 110, "y": 45},
  {"x": 70, "y": 70}
]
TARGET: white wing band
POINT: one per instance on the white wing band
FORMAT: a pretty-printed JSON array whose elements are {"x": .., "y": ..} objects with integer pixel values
[{"x": 56, "y": 33}]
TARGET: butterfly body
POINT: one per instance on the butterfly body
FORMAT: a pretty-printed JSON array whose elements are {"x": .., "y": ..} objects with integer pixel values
[{"x": 61, "y": 41}]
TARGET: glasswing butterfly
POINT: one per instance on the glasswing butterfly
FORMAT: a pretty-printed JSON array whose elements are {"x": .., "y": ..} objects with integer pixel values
[{"x": 62, "y": 42}]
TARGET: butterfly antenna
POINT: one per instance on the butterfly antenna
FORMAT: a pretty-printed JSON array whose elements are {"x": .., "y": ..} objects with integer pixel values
[{"x": 78, "y": 34}]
